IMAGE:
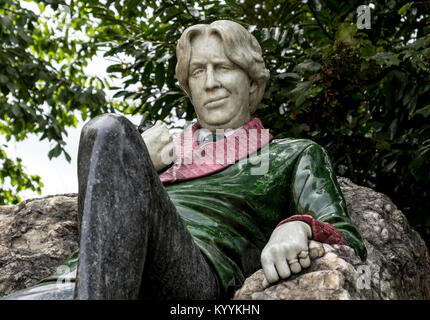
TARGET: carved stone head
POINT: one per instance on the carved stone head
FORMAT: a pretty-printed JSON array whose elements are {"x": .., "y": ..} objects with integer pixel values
[{"x": 221, "y": 69}]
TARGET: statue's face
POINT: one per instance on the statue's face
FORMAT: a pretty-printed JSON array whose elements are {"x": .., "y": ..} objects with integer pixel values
[{"x": 220, "y": 90}]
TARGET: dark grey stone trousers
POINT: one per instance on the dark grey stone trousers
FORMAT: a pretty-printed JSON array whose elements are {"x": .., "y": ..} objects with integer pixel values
[{"x": 133, "y": 243}]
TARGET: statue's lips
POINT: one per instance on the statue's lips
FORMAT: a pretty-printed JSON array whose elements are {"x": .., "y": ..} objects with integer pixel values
[{"x": 215, "y": 103}]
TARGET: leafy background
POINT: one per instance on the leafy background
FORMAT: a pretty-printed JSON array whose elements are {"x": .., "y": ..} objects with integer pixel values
[{"x": 362, "y": 94}]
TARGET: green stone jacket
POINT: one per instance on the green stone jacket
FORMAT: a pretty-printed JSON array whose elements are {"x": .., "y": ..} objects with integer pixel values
[{"x": 231, "y": 214}]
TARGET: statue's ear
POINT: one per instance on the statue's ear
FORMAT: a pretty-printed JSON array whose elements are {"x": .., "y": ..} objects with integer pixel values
[{"x": 253, "y": 87}]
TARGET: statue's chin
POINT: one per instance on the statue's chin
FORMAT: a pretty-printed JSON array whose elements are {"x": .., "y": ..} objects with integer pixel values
[{"x": 221, "y": 123}]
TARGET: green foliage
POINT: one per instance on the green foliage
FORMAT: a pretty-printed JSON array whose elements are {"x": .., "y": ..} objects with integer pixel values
[
  {"x": 362, "y": 94},
  {"x": 42, "y": 85},
  {"x": 13, "y": 173}
]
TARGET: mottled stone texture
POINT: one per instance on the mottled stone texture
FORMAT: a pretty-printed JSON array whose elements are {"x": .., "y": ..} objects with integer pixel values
[
  {"x": 133, "y": 242},
  {"x": 397, "y": 266},
  {"x": 37, "y": 235}
]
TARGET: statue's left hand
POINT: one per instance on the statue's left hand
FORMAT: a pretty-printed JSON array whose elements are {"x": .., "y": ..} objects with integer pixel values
[
  {"x": 286, "y": 252},
  {"x": 159, "y": 143}
]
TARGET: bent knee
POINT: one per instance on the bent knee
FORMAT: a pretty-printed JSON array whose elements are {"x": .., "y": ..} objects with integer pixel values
[{"x": 108, "y": 124}]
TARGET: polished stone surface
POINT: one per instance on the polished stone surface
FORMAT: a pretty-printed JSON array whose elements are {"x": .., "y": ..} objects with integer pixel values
[
  {"x": 133, "y": 243},
  {"x": 45, "y": 291}
]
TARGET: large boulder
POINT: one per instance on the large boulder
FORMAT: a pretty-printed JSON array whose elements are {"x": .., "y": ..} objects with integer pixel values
[{"x": 37, "y": 235}]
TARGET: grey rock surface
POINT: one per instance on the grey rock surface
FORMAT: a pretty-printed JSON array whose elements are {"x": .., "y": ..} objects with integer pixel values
[
  {"x": 37, "y": 235},
  {"x": 397, "y": 265}
]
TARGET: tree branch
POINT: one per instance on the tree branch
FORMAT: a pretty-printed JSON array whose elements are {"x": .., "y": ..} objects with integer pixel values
[{"x": 319, "y": 22}]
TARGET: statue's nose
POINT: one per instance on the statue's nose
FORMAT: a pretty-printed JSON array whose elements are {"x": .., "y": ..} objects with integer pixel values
[{"x": 211, "y": 79}]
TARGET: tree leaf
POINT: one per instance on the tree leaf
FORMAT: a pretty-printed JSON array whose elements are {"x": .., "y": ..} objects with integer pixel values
[
  {"x": 402, "y": 11},
  {"x": 55, "y": 152},
  {"x": 425, "y": 111},
  {"x": 160, "y": 75}
]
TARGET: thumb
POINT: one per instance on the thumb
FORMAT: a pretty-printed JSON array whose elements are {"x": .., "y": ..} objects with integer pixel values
[{"x": 265, "y": 282}]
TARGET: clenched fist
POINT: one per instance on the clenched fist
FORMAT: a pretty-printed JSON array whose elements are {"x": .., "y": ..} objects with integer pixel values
[
  {"x": 286, "y": 252},
  {"x": 159, "y": 143}
]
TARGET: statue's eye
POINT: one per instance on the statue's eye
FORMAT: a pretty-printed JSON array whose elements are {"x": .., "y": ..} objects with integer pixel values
[
  {"x": 197, "y": 71},
  {"x": 224, "y": 67}
]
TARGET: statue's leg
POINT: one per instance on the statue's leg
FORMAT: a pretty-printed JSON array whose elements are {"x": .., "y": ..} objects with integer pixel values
[{"x": 133, "y": 242}]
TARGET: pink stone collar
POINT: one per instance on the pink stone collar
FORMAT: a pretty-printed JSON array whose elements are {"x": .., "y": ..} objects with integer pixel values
[{"x": 193, "y": 161}]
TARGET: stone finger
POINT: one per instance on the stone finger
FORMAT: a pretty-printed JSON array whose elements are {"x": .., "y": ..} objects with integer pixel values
[
  {"x": 167, "y": 154},
  {"x": 270, "y": 272},
  {"x": 295, "y": 266},
  {"x": 316, "y": 249},
  {"x": 282, "y": 267},
  {"x": 305, "y": 262},
  {"x": 171, "y": 148},
  {"x": 303, "y": 254},
  {"x": 265, "y": 283}
]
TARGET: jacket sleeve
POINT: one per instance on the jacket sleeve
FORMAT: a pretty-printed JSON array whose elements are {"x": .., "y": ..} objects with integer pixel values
[{"x": 316, "y": 198}]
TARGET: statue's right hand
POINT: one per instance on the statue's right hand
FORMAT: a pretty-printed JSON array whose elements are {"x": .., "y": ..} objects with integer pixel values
[{"x": 159, "y": 143}]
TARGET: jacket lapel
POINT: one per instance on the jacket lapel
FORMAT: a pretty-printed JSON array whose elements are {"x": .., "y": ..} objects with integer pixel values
[{"x": 193, "y": 161}]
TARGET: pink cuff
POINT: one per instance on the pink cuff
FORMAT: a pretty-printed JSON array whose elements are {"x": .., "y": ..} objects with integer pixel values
[{"x": 321, "y": 231}]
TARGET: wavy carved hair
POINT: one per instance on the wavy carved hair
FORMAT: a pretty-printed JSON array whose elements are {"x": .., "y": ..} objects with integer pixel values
[{"x": 240, "y": 46}]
